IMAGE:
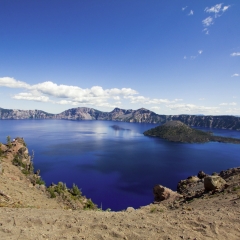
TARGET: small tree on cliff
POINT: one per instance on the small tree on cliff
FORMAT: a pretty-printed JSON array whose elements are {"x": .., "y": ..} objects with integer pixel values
[{"x": 9, "y": 141}]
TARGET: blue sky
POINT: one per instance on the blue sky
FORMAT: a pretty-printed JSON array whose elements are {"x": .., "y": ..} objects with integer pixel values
[{"x": 172, "y": 57}]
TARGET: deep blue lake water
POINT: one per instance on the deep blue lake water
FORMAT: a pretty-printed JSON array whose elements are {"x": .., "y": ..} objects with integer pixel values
[{"x": 116, "y": 168}]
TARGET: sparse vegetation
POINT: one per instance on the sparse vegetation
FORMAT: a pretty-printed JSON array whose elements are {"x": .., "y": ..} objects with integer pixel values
[
  {"x": 75, "y": 191},
  {"x": 40, "y": 181},
  {"x": 51, "y": 191},
  {"x": 90, "y": 205},
  {"x": 153, "y": 209},
  {"x": 71, "y": 197}
]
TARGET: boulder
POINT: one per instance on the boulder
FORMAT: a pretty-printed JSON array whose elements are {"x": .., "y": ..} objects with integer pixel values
[
  {"x": 212, "y": 183},
  {"x": 162, "y": 193}
]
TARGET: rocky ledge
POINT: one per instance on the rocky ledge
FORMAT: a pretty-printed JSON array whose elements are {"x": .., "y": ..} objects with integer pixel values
[{"x": 201, "y": 185}]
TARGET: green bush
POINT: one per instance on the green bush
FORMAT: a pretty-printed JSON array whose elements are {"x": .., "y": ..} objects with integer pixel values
[
  {"x": 24, "y": 171},
  {"x": 75, "y": 191},
  {"x": 40, "y": 181},
  {"x": 17, "y": 161},
  {"x": 89, "y": 205},
  {"x": 51, "y": 191},
  {"x": 60, "y": 187}
]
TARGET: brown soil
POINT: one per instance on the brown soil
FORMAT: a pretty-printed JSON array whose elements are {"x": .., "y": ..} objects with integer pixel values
[{"x": 28, "y": 213}]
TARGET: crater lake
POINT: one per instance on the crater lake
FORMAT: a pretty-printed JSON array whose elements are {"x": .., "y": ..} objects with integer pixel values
[{"x": 113, "y": 163}]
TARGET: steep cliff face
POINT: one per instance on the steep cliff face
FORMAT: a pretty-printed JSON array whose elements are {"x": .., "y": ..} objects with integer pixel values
[
  {"x": 24, "y": 114},
  {"x": 141, "y": 115},
  {"x": 222, "y": 122}
]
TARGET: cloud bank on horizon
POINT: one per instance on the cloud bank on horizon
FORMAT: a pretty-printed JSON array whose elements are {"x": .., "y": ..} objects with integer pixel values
[
  {"x": 173, "y": 59},
  {"x": 74, "y": 95},
  {"x": 95, "y": 96}
]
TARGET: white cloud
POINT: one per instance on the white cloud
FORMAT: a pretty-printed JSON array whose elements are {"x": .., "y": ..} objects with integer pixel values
[
  {"x": 190, "y": 13},
  {"x": 228, "y": 104},
  {"x": 225, "y": 8},
  {"x": 116, "y": 98},
  {"x": 193, "y": 57},
  {"x": 207, "y": 22},
  {"x": 65, "y": 91},
  {"x": 66, "y": 94},
  {"x": 146, "y": 100},
  {"x": 192, "y": 108},
  {"x": 235, "y": 75},
  {"x": 217, "y": 9},
  {"x": 137, "y": 99},
  {"x": 235, "y": 54},
  {"x": 31, "y": 97},
  {"x": 74, "y": 95},
  {"x": 201, "y": 99},
  {"x": 66, "y": 102},
  {"x": 12, "y": 83},
  {"x": 235, "y": 111},
  {"x": 183, "y": 8},
  {"x": 206, "y": 31},
  {"x": 155, "y": 108}
]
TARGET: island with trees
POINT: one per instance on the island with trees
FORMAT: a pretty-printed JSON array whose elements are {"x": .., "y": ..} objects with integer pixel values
[{"x": 176, "y": 131}]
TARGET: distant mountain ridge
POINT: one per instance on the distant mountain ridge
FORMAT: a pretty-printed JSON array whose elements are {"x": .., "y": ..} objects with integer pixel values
[{"x": 141, "y": 115}]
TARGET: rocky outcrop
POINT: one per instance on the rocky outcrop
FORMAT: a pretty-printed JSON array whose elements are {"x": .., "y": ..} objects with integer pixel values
[
  {"x": 212, "y": 183},
  {"x": 198, "y": 186},
  {"x": 230, "y": 173},
  {"x": 162, "y": 193},
  {"x": 190, "y": 187},
  {"x": 141, "y": 115}
]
